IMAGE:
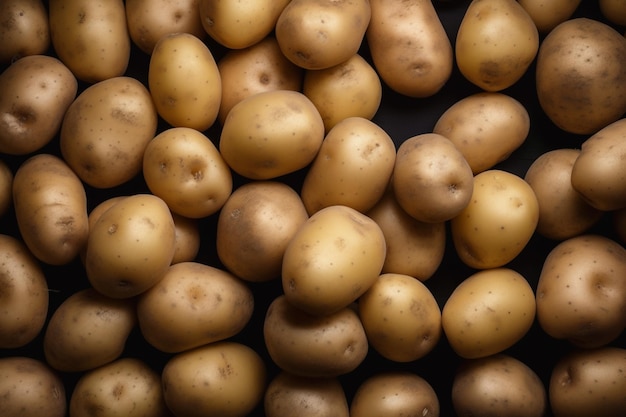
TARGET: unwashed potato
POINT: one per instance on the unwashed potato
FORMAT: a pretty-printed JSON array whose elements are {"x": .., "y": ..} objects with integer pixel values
[
  {"x": 614, "y": 11},
  {"x": 548, "y": 14},
  {"x": 6, "y": 188},
  {"x": 24, "y": 29}
]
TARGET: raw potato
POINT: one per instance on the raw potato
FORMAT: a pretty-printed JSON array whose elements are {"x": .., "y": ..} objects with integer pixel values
[
  {"x": 88, "y": 330},
  {"x": 36, "y": 92},
  {"x": 125, "y": 387},
  {"x": 562, "y": 211},
  {"x": 106, "y": 130},
  {"x": 314, "y": 346},
  {"x": 90, "y": 37},
  {"x": 219, "y": 379},
  {"x": 271, "y": 134},
  {"x": 498, "y": 385},
  {"x": 335, "y": 256},
  {"x": 401, "y": 317},
  {"x": 581, "y": 292},
  {"x": 319, "y": 34},
  {"x": 6, "y": 188},
  {"x": 30, "y": 388},
  {"x": 614, "y": 11},
  {"x": 184, "y": 168},
  {"x": 50, "y": 205},
  {"x": 486, "y": 127},
  {"x": 353, "y": 167},
  {"x": 548, "y": 14},
  {"x": 24, "y": 29},
  {"x": 195, "y": 102},
  {"x": 589, "y": 382},
  {"x": 488, "y": 312},
  {"x": 498, "y": 222},
  {"x": 255, "y": 226},
  {"x": 409, "y": 46},
  {"x": 24, "y": 296},
  {"x": 187, "y": 240},
  {"x": 394, "y": 394},
  {"x": 495, "y": 43},
  {"x": 581, "y": 75},
  {"x": 431, "y": 181}
]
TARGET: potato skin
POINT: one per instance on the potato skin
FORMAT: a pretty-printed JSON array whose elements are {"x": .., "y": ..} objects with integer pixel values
[
  {"x": 24, "y": 29},
  {"x": 548, "y": 14}
]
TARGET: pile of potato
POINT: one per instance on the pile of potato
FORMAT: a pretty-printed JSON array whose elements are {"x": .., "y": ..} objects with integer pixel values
[{"x": 312, "y": 207}]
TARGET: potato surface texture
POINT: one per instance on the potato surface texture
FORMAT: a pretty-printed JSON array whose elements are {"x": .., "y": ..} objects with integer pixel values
[{"x": 25, "y": 29}]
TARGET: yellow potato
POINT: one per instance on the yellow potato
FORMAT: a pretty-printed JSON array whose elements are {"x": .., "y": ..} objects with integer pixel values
[
  {"x": 187, "y": 239},
  {"x": 24, "y": 29},
  {"x": 548, "y": 14}
]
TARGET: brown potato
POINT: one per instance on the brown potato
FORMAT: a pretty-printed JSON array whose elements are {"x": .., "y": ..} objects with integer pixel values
[{"x": 24, "y": 29}]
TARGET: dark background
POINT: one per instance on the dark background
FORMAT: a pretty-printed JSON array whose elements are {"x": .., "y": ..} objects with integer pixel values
[{"x": 402, "y": 117}]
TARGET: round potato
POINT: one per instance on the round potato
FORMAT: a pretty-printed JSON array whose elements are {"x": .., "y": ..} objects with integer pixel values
[
  {"x": 24, "y": 29},
  {"x": 36, "y": 92},
  {"x": 271, "y": 134},
  {"x": 185, "y": 169},
  {"x": 352, "y": 168},
  {"x": 6, "y": 188},
  {"x": 432, "y": 181},
  {"x": 548, "y": 14},
  {"x": 498, "y": 222},
  {"x": 581, "y": 292},
  {"x": 488, "y": 312}
]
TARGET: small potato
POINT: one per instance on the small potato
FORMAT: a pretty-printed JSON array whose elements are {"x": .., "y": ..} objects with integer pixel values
[
  {"x": 195, "y": 102},
  {"x": 486, "y": 127},
  {"x": 187, "y": 240},
  {"x": 581, "y": 292},
  {"x": 88, "y": 330},
  {"x": 30, "y": 388},
  {"x": 401, "y": 317},
  {"x": 24, "y": 29},
  {"x": 314, "y": 346},
  {"x": 125, "y": 387},
  {"x": 499, "y": 221},
  {"x": 614, "y": 11},
  {"x": 184, "y": 168},
  {"x": 548, "y": 14},
  {"x": 51, "y": 209},
  {"x": 394, "y": 394},
  {"x": 36, "y": 92},
  {"x": 431, "y": 181},
  {"x": 6, "y": 188},
  {"x": 353, "y": 167},
  {"x": 498, "y": 385},
  {"x": 23, "y": 294},
  {"x": 219, "y": 379},
  {"x": 488, "y": 312},
  {"x": 349, "y": 89}
]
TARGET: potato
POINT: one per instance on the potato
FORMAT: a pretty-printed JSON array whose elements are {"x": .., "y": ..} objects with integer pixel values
[
  {"x": 589, "y": 382},
  {"x": 313, "y": 346},
  {"x": 548, "y": 14},
  {"x": 498, "y": 223},
  {"x": 50, "y": 208},
  {"x": 614, "y": 11},
  {"x": 125, "y": 387},
  {"x": 581, "y": 292},
  {"x": 184, "y": 168},
  {"x": 401, "y": 317},
  {"x": 195, "y": 102},
  {"x": 149, "y": 20},
  {"x": 238, "y": 25},
  {"x": 219, "y": 379},
  {"x": 409, "y": 46},
  {"x": 349, "y": 89},
  {"x": 131, "y": 246},
  {"x": 562, "y": 211},
  {"x": 413, "y": 248},
  {"x": 271, "y": 134},
  {"x": 90, "y": 37},
  {"x": 488, "y": 312},
  {"x": 106, "y": 130},
  {"x": 29, "y": 388},
  {"x": 598, "y": 173},
  {"x": 255, "y": 226},
  {"x": 486, "y": 127},
  {"x": 498, "y": 385},
  {"x": 24, "y": 29},
  {"x": 431, "y": 179},
  {"x": 187, "y": 238},
  {"x": 580, "y": 73},
  {"x": 255, "y": 69},
  {"x": 495, "y": 44},
  {"x": 36, "y": 92},
  {"x": 87, "y": 330},
  {"x": 318, "y": 34},
  {"x": 23, "y": 294},
  {"x": 6, "y": 188},
  {"x": 289, "y": 394},
  {"x": 334, "y": 257},
  {"x": 394, "y": 394},
  {"x": 353, "y": 167}
]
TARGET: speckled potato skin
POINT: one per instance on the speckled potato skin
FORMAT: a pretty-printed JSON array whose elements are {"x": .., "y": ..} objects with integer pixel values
[{"x": 24, "y": 29}]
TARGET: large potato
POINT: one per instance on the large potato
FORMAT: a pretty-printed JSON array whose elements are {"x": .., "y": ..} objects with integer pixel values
[{"x": 24, "y": 29}]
